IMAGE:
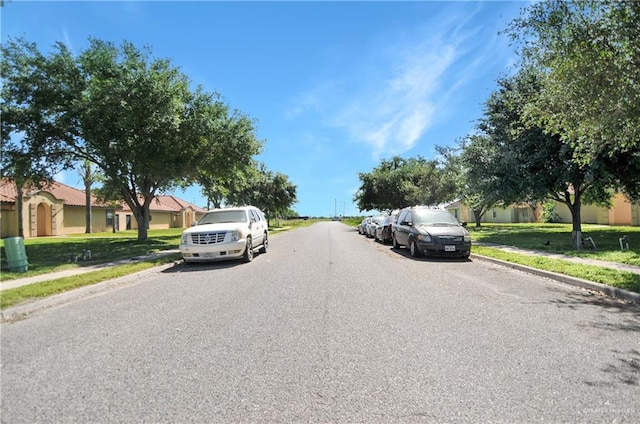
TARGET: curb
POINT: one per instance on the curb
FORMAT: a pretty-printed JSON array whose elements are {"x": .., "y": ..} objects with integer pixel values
[{"x": 613, "y": 292}]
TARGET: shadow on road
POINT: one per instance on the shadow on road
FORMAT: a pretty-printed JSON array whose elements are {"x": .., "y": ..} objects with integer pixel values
[
  {"x": 203, "y": 266},
  {"x": 588, "y": 299},
  {"x": 625, "y": 369},
  {"x": 407, "y": 254}
]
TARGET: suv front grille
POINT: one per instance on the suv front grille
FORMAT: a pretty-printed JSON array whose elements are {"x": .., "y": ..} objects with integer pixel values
[{"x": 208, "y": 238}]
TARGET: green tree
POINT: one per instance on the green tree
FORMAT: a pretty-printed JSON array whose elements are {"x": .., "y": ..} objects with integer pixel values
[
  {"x": 399, "y": 182},
  {"x": 31, "y": 133},
  {"x": 224, "y": 167},
  {"x": 471, "y": 166},
  {"x": 529, "y": 163},
  {"x": 272, "y": 192},
  {"x": 590, "y": 96},
  {"x": 133, "y": 116}
]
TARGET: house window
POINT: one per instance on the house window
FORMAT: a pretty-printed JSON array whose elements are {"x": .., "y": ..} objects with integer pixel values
[
  {"x": 455, "y": 213},
  {"x": 495, "y": 214},
  {"x": 110, "y": 214}
]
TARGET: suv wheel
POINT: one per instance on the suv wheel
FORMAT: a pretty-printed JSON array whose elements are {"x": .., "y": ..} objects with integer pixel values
[
  {"x": 265, "y": 243},
  {"x": 248, "y": 253}
]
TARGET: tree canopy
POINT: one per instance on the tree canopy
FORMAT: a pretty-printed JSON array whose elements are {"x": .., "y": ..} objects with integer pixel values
[
  {"x": 272, "y": 192},
  {"x": 398, "y": 182},
  {"x": 588, "y": 55},
  {"x": 529, "y": 164},
  {"x": 135, "y": 116}
]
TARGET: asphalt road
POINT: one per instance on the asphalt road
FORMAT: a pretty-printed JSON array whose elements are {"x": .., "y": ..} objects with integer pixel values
[{"x": 328, "y": 326}]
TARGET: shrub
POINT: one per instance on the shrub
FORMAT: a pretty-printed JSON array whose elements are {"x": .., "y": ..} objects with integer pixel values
[{"x": 549, "y": 214}]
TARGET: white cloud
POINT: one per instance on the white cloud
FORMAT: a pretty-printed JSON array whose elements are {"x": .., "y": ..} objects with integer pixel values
[
  {"x": 392, "y": 120},
  {"x": 405, "y": 84},
  {"x": 67, "y": 41}
]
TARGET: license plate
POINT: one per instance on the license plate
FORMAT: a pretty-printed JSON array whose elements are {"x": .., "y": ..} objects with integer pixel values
[{"x": 449, "y": 248}]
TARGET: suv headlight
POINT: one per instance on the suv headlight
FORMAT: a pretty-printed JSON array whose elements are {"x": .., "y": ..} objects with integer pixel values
[
  {"x": 424, "y": 237},
  {"x": 467, "y": 239},
  {"x": 235, "y": 235},
  {"x": 184, "y": 238}
]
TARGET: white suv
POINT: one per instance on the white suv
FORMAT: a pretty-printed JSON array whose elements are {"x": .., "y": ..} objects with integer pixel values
[{"x": 226, "y": 233}]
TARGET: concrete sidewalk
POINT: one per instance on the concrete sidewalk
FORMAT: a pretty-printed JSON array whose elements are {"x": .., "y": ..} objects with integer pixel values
[
  {"x": 585, "y": 261},
  {"x": 10, "y": 284}
]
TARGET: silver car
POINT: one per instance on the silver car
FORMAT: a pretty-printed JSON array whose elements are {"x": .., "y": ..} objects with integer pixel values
[
  {"x": 383, "y": 231},
  {"x": 370, "y": 228},
  {"x": 226, "y": 233}
]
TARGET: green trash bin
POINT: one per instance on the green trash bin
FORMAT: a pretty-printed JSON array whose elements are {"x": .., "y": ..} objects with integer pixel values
[{"x": 16, "y": 255}]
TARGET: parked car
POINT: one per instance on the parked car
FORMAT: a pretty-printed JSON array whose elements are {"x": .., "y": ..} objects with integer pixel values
[
  {"x": 362, "y": 227},
  {"x": 226, "y": 233},
  {"x": 383, "y": 231},
  {"x": 372, "y": 225},
  {"x": 431, "y": 231}
]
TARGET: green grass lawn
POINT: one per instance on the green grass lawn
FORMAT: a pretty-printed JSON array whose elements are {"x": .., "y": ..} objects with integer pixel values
[
  {"x": 557, "y": 238},
  {"x": 50, "y": 254}
]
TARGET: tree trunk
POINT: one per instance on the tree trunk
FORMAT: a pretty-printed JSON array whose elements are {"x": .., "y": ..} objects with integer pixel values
[
  {"x": 576, "y": 219},
  {"x": 143, "y": 216},
  {"x": 534, "y": 210},
  {"x": 140, "y": 212},
  {"x": 19, "y": 208},
  {"x": 87, "y": 178},
  {"x": 477, "y": 214},
  {"x": 87, "y": 199},
  {"x": 143, "y": 228}
]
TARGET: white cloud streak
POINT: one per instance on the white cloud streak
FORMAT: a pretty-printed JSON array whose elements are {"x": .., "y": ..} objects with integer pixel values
[
  {"x": 392, "y": 120},
  {"x": 406, "y": 84}
]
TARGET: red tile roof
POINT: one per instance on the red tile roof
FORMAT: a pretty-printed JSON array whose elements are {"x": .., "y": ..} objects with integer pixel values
[
  {"x": 71, "y": 196},
  {"x": 74, "y": 197},
  {"x": 169, "y": 204}
]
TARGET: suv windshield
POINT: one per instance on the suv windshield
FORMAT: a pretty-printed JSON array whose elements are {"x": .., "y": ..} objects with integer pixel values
[
  {"x": 431, "y": 217},
  {"x": 221, "y": 217}
]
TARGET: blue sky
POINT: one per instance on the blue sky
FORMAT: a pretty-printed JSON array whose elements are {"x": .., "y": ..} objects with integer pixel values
[{"x": 334, "y": 86}]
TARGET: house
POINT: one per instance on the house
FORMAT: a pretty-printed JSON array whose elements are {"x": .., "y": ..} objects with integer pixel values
[
  {"x": 166, "y": 212},
  {"x": 59, "y": 209},
  {"x": 621, "y": 212}
]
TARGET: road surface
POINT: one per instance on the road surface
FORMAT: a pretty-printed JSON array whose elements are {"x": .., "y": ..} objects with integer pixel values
[{"x": 328, "y": 326}]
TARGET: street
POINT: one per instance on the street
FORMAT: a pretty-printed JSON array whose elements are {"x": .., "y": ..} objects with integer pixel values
[{"x": 328, "y": 327}]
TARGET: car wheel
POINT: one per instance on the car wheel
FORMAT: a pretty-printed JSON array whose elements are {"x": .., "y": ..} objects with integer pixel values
[
  {"x": 413, "y": 248},
  {"x": 265, "y": 244},
  {"x": 248, "y": 253},
  {"x": 395, "y": 242}
]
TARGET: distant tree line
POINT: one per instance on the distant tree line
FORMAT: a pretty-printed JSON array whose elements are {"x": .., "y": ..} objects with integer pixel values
[
  {"x": 565, "y": 126},
  {"x": 131, "y": 122}
]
